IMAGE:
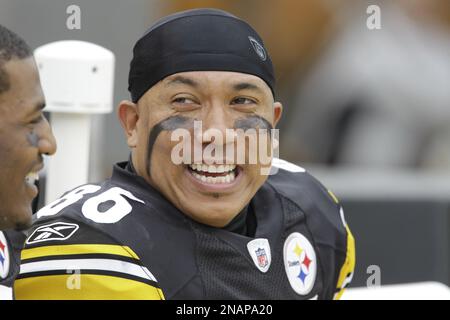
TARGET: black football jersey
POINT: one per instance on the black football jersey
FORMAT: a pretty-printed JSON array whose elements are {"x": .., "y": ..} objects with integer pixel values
[
  {"x": 122, "y": 239},
  {"x": 10, "y": 245}
]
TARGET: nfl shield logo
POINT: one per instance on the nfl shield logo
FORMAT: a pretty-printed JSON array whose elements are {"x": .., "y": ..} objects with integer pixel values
[
  {"x": 259, "y": 250},
  {"x": 262, "y": 257}
]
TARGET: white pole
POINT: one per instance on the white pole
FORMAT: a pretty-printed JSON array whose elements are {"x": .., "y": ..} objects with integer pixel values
[
  {"x": 69, "y": 167},
  {"x": 78, "y": 79}
]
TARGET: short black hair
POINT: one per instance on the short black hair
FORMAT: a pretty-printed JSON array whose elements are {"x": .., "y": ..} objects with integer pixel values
[{"x": 11, "y": 47}]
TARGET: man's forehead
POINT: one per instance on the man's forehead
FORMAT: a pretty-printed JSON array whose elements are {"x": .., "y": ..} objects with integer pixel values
[
  {"x": 25, "y": 93},
  {"x": 22, "y": 73},
  {"x": 23, "y": 106},
  {"x": 21, "y": 67},
  {"x": 196, "y": 77}
]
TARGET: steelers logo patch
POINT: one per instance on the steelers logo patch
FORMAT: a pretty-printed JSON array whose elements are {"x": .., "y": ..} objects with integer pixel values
[
  {"x": 4, "y": 257},
  {"x": 300, "y": 263}
]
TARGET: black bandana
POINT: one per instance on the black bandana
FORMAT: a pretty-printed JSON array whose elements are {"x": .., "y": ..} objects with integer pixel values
[{"x": 197, "y": 40}]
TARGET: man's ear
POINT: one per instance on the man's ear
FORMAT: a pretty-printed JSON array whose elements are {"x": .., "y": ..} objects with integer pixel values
[
  {"x": 128, "y": 117},
  {"x": 277, "y": 112}
]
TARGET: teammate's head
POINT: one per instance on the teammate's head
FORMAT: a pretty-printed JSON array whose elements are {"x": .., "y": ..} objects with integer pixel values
[
  {"x": 208, "y": 66},
  {"x": 24, "y": 133}
]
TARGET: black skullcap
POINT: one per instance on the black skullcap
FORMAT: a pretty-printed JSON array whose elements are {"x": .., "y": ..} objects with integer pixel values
[{"x": 197, "y": 40}]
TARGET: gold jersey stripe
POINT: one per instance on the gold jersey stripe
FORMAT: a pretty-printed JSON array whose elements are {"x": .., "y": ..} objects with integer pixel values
[
  {"x": 46, "y": 251},
  {"x": 332, "y": 195},
  {"x": 349, "y": 265},
  {"x": 84, "y": 287}
]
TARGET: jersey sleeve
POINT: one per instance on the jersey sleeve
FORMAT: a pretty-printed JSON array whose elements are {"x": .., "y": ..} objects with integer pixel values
[
  {"x": 67, "y": 260},
  {"x": 11, "y": 243},
  {"x": 326, "y": 221},
  {"x": 347, "y": 268},
  {"x": 344, "y": 258}
]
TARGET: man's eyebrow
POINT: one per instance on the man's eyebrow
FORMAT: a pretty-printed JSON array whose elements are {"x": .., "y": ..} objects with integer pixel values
[
  {"x": 182, "y": 80},
  {"x": 247, "y": 86}
]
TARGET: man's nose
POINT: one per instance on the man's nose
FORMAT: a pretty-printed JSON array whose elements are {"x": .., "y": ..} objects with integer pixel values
[
  {"x": 215, "y": 124},
  {"x": 47, "y": 142}
]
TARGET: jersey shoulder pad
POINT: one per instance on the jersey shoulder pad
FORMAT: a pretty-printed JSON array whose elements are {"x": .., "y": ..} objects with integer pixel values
[
  {"x": 93, "y": 204},
  {"x": 325, "y": 218},
  {"x": 298, "y": 185},
  {"x": 72, "y": 260},
  {"x": 73, "y": 250},
  {"x": 337, "y": 236},
  {"x": 321, "y": 207}
]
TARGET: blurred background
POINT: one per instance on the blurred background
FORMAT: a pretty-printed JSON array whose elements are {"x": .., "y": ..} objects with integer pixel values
[{"x": 366, "y": 110}]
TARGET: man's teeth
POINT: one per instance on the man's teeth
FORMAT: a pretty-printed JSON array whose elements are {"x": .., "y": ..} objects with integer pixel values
[
  {"x": 227, "y": 168},
  {"x": 32, "y": 177},
  {"x": 213, "y": 168},
  {"x": 214, "y": 180}
]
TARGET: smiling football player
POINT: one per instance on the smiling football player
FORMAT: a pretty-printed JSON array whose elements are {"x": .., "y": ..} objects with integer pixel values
[{"x": 211, "y": 227}]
